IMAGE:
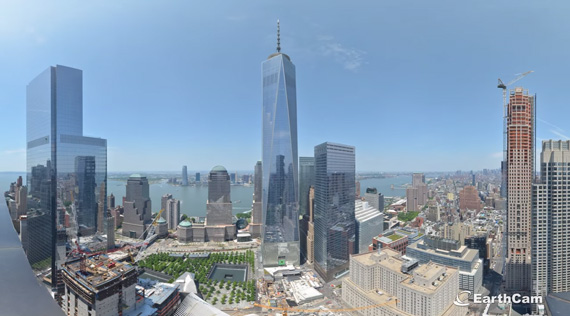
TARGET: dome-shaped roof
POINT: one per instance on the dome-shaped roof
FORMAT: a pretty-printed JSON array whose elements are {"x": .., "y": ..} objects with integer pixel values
[
  {"x": 135, "y": 175},
  {"x": 185, "y": 223},
  {"x": 219, "y": 168},
  {"x": 161, "y": 221}
]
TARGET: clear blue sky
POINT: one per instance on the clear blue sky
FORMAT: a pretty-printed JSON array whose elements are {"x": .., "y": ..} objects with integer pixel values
[{"x": 411, "y": 84}]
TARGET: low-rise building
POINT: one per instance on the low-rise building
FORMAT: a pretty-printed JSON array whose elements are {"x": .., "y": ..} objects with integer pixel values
[{"x": 390, "y": 240}]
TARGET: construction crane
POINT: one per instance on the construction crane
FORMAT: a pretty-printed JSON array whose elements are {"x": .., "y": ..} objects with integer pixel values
[
  {"x": 287, "y": 309},
  {"x": 503, "y": 86},
  {"x": 150, "y": 232}
]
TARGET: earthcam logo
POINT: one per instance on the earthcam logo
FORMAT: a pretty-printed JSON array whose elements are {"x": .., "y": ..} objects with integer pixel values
[
  {"x": 462, "y": 299},
  {"x": 462, "y": 302}
]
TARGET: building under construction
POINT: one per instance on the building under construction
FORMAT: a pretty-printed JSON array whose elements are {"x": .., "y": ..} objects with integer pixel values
[{"x": 97, "y": 286}]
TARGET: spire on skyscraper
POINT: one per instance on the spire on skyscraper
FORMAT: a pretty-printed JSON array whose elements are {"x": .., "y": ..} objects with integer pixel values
[{"x": 278, "y": 43}]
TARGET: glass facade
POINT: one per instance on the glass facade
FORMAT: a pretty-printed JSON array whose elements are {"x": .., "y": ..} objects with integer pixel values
[
  {"x": 219, "y": 206},
  {"x": 306, "y": 180},
  {"x": 66, "y": 171},
  {"x": 280, "y": 163},
  {"x": 334, "y": 218}
]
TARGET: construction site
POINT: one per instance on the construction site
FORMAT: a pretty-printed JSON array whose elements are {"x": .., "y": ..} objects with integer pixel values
[{"x": 100, "y": 284}]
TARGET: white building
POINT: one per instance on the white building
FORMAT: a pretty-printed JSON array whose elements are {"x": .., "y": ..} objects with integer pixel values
[
  {"x": 376, "y": 279},
  {"x": 369, "y": 224}
]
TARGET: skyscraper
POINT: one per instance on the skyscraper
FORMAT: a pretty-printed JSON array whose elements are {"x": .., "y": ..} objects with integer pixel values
[
  {"x": 520, "y": 171},
  {"x": 550, "y": 217},
  {"x": 375, "y": 198},
  {"x": 334, "y": 212},
  {"x": 416, "y": 196},
  {"x": 172, "y": 211},
  {"x": 280, "y": 242},
  {"x": 256, "y": 211},
  {"x": 219, "y": 204},
  {"x": 137, "y": 205},
  {"x": 197, "y": 177},
  {"x": 57, "y": 178},
  {"x": 306, "y": 180},
  {"x": 184, "y": 175}
]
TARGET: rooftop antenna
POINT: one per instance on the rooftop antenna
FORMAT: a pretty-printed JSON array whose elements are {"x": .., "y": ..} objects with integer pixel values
[{"x": 278, "y": 43}]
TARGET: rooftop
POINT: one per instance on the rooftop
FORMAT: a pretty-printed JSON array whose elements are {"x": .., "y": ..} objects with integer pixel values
[
  {"x": 185, "y": 223},
  {"x": 99, "y": 269},
  {"x": 219, "y": 168}
]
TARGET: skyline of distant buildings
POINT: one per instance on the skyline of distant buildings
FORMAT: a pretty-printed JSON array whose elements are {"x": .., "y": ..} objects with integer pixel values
[{"x": 305, "y": 209}]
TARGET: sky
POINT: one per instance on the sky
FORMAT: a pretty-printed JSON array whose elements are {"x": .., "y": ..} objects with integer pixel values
[{"x": 410, "y": 84}]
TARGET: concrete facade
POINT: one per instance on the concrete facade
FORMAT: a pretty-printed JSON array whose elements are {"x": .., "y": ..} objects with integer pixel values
[{"x": 377, "y": 279}]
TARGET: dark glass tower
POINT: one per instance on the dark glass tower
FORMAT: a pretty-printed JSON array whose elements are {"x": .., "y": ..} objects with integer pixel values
[
  {"x": 280, "y": 242},
  {"x": 65, "y": 170},
  {"x": 334, "y": 209}
]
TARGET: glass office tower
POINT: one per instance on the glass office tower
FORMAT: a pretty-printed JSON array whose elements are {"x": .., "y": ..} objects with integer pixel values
[
  {"x": 334, "y": 209},
  {"x": 280, "y": 242},
  {"x": 65, "y": 170},
  {"x": 306, "y": 180}
]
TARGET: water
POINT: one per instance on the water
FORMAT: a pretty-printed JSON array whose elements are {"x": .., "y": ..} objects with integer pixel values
[
  {"x": 384, "y": 185},
  {"x": 192, "y": 198}
]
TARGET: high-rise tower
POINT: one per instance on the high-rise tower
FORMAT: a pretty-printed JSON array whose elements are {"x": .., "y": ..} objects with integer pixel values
[
  {"x": 65, "y": 170},
  {"x": 256, "y": 211},
  {"x": 184, "y": 175},
  {"x": 334, "y": 217},
  {"x": 219, "y": 204},
  {"x": 520, "y": 171},
  {"x": 550, "y": 217},
  {"x": 137, "y": 214},
  {"x": 280, "y": 201}
]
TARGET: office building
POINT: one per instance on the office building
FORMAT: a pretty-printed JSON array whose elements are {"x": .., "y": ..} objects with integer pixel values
[
  {"x": 110, "y": 226},
  {"x": 197, "y": 180},
  {"x": 307, "y": 229},
  {"x": 550, "y": 218},
  {"x": 469, "y": 199},
  {"x": 398, "y": 287},
  {"x": 184, "y": 175},
  {"x": 98, "y": 286},
  {"x": 57, "y": 178},
  {"x": 374, "y": 198},
  {"x": 416, "y": 195},
  {"x": 306, "y": 180},
  {"x": 450, "y": 253},
  {"x": 335, "y": 238},
  {"x": 163, "y": 201},
  {"x": 369, "y": 224},
  {"x": 520, "y": 171},
  {"x": 137, "y": 207},
  {"x": 172, "y": 212},
  {"x": 101, "y": 211},
  {"x": 111, "y": 201},
  {"x": 256, "y": 209},
  {"x": 219, "y": 204},
  {"x": 280, "y": 201}
]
